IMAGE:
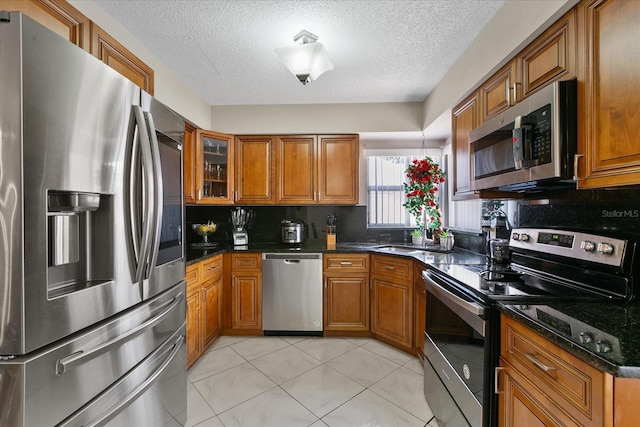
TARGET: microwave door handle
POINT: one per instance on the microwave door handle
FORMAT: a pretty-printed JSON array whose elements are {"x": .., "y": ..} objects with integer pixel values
[
  {"x": 522, "y": 145},
  {"x": 157, "y": 195},
  {"x": 147, "y": 193}
]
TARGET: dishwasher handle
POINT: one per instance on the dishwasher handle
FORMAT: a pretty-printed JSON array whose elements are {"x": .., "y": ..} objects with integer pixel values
[{"x": 289, "y": 258}]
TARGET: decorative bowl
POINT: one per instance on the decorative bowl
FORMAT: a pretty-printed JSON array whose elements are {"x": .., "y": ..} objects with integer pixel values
[{"x": 204, "y": 230}]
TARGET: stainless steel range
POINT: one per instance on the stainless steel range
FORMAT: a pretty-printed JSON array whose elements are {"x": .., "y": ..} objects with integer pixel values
[{"x": 462, "y": 327}]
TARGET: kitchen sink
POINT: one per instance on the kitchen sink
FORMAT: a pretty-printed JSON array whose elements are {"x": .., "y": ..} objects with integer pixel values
[{"x": 409, "y": 250}]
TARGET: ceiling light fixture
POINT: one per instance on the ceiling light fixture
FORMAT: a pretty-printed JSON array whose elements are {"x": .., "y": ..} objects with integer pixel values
[{"x": 307, "y": 60}]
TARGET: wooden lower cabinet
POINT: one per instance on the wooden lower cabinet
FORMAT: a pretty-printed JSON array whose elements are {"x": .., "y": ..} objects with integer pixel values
[
  {"x": 194, "y": 347},
  {"x": 204, "y": 302},
  {"x": 346, "y": 294},
  {"x": 523, "y": 405},
  {"x": 546, "y": 384},
  {"x": 392, "y": 300},
  {"x": 246, "y": 292}
]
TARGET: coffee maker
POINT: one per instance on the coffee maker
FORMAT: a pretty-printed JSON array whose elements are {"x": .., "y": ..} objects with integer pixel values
[{"x": 496, "y": 230}]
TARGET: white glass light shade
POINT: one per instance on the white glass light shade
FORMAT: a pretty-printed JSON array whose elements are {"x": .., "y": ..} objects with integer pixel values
[{"x": 306, "y": 61}]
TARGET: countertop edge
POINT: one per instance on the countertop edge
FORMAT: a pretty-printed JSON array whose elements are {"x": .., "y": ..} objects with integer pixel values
[{"x": 587, "y": 356}]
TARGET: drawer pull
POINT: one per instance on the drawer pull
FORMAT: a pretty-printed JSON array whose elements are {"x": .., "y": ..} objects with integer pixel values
[
  {"x": 388, "y": 267},
  {"x": 215, "y": 267},
  {"x": 345, "y": 263},
  {"x": 538, "y": 363}
]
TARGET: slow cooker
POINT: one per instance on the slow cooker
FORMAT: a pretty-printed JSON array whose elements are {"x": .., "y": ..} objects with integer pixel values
[{"x": 292, "y": 231}]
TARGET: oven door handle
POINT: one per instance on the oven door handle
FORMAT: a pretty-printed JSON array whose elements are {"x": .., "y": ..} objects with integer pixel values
[{"x": 443, "y": 293}]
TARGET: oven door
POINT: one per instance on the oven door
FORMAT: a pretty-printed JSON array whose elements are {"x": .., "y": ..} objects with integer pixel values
[{"x": 458, "y": 356}]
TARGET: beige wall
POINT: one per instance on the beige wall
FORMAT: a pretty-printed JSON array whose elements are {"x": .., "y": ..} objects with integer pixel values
[
  {"x": 317, "y": 118},
  {"x": 168, "y": 88}
]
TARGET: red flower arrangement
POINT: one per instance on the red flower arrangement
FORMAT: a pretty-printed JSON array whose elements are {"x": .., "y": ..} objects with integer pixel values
[{"x": 421, "y": 190}]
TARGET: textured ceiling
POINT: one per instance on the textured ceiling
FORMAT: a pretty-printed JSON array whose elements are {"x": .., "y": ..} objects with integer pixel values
[{"x": 382, "y": 51}]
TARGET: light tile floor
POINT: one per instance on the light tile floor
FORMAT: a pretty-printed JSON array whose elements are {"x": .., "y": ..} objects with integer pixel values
[{"x": 317, "y": 382}]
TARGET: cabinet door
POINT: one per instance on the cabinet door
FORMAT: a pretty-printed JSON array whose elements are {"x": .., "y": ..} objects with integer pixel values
[
  {"x": 255, "y": 169},
  {"x": 108, "y": 50},
  {"x": 338, "y": 157},
  {"x": 496, "y": 94},
  {"x": 465, "y": 117},
  {"x": 194, "y": 347},
  {"x": 189, "y": 166},
  {"x": 211, "y": 305},
  {"x": 609, "y": 99},
  {"x": 346, "y": 303},
  {"x": 392, "y": 311},
  {"x": 214, "y": 168},
  {"x": 296, "y": 169},
  {"x": 550, "y": 57},
  {"x": 57, "y": 15},
  {"x": 246, "y": 301},
  {"x": 522, "y": 405}
]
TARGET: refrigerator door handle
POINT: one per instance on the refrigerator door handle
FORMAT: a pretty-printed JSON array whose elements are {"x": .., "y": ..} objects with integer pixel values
[
  {"x": 157, "y": 196},
  {"x": 79, "y": 357},
  {"x": 131, "y": 195},
  {"x": 148, "y": 194}
]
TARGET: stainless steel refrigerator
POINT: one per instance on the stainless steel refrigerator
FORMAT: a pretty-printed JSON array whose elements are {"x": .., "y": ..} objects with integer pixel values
[{"x": 92, "y": 291}]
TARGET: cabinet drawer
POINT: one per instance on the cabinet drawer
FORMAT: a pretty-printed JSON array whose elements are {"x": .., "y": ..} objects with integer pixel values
[
  {"x": 347, "y": 263},
  {"x": 246, "y": 262},
  {"x": 194, "y": 274},
  {"x": 211, "y": 267},
  {"x": 392, "y": 267},
  {"x": 575, "y": 385}
]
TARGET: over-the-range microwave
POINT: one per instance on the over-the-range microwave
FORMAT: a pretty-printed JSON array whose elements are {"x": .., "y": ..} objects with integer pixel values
[{"x": 531, "y": 145}]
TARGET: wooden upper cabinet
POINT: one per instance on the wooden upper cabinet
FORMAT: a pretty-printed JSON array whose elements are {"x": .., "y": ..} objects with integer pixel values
[
  {"x": 465, "y": 117},
  {"x": 108, "y": 50},
  {"x": 550, "y": 57},
  {"x": 496, "y": 94},
  {"x": 214, "y": 168},
  {"x": 295, "y": 169},
  {"x": 338, "y": 158},
  {"x": 189, "y": 159},
  {"x": 62, "y": 18},
  {"x": 57, "y": 15},
  {"x": 254, "y": 169},
  {"x": 609, "y": 96}
]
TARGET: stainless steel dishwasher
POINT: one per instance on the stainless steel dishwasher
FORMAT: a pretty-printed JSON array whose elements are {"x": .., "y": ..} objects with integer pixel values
[{"x": 292, "y": 293}]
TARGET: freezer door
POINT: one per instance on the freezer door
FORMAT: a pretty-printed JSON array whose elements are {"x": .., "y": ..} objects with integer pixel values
[{"x": 138, "y": 356}]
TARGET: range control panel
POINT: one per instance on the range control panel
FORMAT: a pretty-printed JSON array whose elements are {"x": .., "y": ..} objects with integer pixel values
[
  {"x": 582, "y": 334},
  {"x": 571, "y": 244}
]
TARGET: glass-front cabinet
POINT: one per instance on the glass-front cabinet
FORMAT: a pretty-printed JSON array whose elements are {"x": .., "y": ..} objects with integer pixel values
[{"x": 214, "y": 168}]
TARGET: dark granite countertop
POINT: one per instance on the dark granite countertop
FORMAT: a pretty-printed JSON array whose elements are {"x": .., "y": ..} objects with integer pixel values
[
  {"x": 616, "y": 323},
  {"x": 429, "y": 255}
]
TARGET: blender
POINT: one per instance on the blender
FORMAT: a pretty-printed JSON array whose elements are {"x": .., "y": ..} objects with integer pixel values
[{"x": 239, "y": 218}]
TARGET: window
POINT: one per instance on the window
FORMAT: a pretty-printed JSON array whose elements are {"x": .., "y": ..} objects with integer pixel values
[{"x": 385, "y": 193}]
